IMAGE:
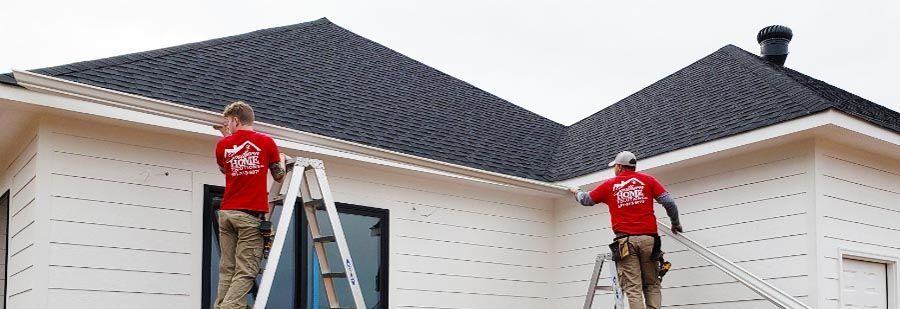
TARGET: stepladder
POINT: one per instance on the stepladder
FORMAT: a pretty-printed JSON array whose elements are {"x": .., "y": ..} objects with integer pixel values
[
  {"x": 605, "y": 259},
  {"x": 306, "y": 179}
]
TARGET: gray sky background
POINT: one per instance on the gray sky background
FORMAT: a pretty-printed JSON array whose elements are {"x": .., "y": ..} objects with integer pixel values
[{"x": 561, "y": 59}]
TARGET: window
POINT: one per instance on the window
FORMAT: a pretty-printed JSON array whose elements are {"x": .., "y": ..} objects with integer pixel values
[{"x": 363, "y": 227}]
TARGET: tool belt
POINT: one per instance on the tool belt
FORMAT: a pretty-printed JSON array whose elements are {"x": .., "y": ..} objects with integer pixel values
[{"x": 619, "y": 247}]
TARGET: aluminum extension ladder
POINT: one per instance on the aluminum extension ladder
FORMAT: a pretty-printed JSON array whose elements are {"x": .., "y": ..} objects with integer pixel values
[
  {"x": 298, "y": 186},
  {"x": 774, "y": 295}
]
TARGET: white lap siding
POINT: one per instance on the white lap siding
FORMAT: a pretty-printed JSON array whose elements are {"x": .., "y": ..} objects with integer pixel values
[
  {"x": 21, "y": 178},
  {"x": 120, "y": 229},
  {"x": 125, "y": 226},
  {"x": 750, "y": 208},
  {"x": 859, "y": 207},
  {"x": 455, "y": 245}
]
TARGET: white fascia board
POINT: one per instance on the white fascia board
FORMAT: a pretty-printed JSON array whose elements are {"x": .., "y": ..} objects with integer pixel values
[
  {"x": 828, "y": 117},
  {"x": 72, "y": 96}
]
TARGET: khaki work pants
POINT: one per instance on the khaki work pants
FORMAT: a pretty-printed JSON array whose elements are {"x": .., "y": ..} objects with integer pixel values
[
  {"x": 242, "y": 245},
  {"x": 638, "y": 274}
]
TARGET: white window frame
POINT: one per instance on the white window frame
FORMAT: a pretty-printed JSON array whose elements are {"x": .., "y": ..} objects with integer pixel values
[{"x": 890, "y": 260}]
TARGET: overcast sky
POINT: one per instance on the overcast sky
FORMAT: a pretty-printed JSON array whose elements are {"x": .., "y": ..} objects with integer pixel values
[{"x": 561, "y": 59}]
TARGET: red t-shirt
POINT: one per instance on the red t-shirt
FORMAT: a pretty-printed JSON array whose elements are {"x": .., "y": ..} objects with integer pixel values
[
  {"x": 245, "y": 157},
  {"x": 629, "y": 197}
]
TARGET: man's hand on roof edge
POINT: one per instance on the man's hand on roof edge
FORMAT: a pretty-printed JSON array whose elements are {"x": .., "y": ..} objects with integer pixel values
[{"x": 574, "y": 190}]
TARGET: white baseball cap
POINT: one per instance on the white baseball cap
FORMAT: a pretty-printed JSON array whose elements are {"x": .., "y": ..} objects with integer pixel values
[{"x": 624, "y": 158}]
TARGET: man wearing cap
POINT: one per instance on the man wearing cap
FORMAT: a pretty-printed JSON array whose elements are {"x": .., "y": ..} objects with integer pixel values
[{"x": 636, "y": 248}]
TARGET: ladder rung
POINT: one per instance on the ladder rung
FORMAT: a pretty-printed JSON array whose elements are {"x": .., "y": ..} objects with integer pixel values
[
  {"x": 324, "y": 239},
  {"x": 604, "y": 288},
  {"x": 319, "y": 204},
  {"x": 276, "y": 199},
  {"x": 334, "y": 275}
]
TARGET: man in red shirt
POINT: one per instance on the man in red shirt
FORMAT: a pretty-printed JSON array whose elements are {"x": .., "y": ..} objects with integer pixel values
[
  {"x": 243, "y": 156},
  {"x": 636, "y": 248}
]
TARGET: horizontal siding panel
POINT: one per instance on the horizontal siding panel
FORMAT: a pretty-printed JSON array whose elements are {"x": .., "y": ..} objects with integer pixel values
[
  {"x": 749, "y": 304},
  {"x": 24, "y": 157},
  {"x": 845, "y": 190},
  {"x": 98, "y": 190},
  {"x": 118, "y": 281},
  {"x": 134, "y": 153},
  {"x": 118, "y": 237},
  {"x": 469, "y": 218},
  {"x": 691, "y": 202},
  {"x": 750, "y": 211},
  {"x": 730, "y": 292},
  {"x": 426, "y": 264},
  {"x": 25, "y": 175},
  {"x": 420, "y": 298},
  {"x": 22, "y": 198},
  {"x": 850, "y": 211},
  {"x": 21, "y": 300},
  {"x": 23, "y": 218},
  {"x": 469, "y": 235},
  {"x": 120, "y": 171},
  {"x": 467, "y": 285},
  {"x": 22, "y": 260},
  {"x": 21, "y": 282},
  {"x": 831, "y": 245},
  {"x": 434, "y": 199},
  {"x": 860, "y": 232},
  {"x": 739, "y": 177},
  {"x": 589, "y": 219},
  {"x": 763, "y": 229},
  {"x": 601, "y": 301},
  {"x": 68, "y": 209},
  {"x": 861, "y": 173},
  {"x": 79, "y": 299},
  {"x": 22, "y": 239},
  {"x": 124, "y": 259},
  {"x": 460, "y": 251}
]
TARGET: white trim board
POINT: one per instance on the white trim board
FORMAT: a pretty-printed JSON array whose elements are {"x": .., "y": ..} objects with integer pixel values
[{"x": 809, "y": 123}]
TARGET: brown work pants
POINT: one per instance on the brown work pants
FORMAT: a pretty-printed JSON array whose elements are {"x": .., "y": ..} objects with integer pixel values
[
  {"x": 638, "y": 274},
  {"x": 242, "y": 245}
]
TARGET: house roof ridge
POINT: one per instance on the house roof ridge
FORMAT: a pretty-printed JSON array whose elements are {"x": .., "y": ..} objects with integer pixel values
[{"x": 776, "y": 79}]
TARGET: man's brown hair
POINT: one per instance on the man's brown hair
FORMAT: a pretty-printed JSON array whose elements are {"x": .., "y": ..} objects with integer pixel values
[{"x": 241, "y": 110}]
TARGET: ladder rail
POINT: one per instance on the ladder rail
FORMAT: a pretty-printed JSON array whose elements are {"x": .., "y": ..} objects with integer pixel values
[
  {"x": 287, "y": 212},
  {"x": 758, "y": 285},
  {"x": 338, "y": 231}
]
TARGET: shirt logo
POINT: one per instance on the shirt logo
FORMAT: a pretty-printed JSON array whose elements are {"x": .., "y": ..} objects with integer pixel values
[
  {"x": 629, "y": 192},
  {"x": 243, "y": 159}
]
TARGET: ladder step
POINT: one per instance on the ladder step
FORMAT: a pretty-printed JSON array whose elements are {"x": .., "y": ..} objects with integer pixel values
[
  {"x": 604, "y": 288},
  {"x": 277, "y": 199},
  {"x": 319, "y": 204},
  {"x": 334, "y": 275},
  {"x": 324, "y": 239}
]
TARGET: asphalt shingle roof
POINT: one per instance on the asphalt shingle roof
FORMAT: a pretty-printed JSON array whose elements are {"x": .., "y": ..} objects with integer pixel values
[{"x": 321, "y": 78}]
